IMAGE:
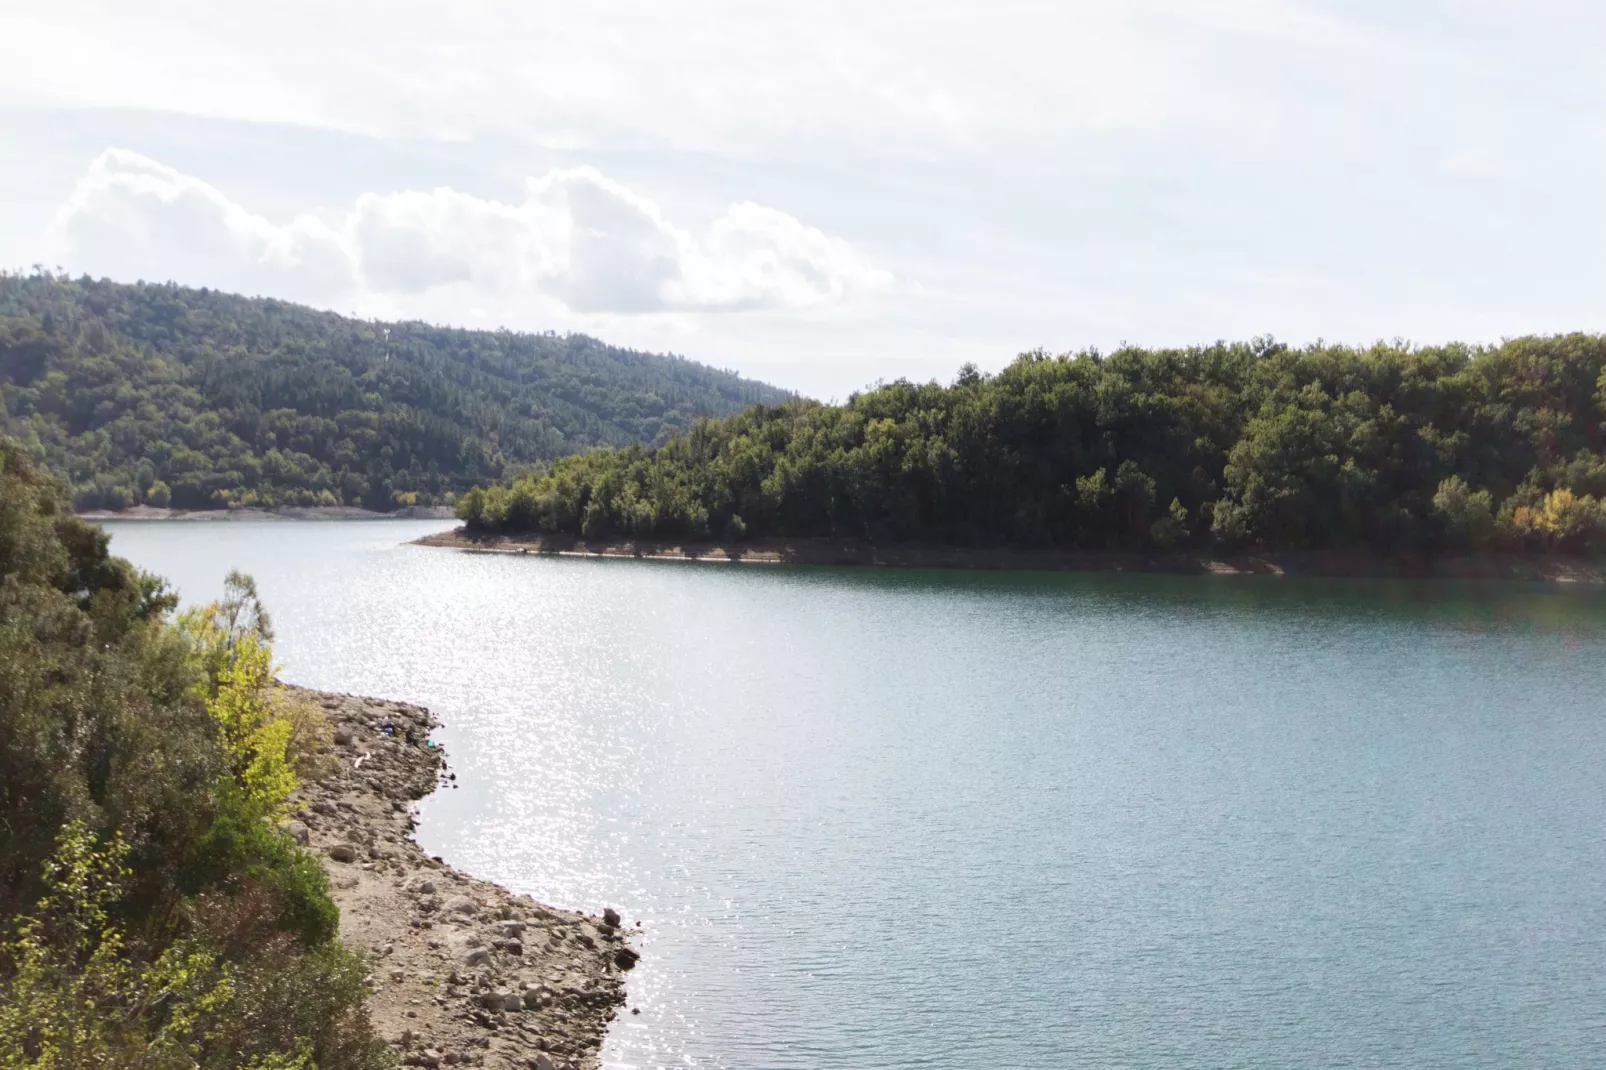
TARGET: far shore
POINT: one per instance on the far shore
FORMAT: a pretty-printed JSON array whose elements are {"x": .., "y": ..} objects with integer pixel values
[
  {"x": 281, "y": 512},
  {"x": 817, "y": 551}
]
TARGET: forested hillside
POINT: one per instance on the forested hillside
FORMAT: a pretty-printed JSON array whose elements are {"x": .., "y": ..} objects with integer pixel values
[
  {"x": 1391, "y": 449},
  {"x": 164, "y": 395}
]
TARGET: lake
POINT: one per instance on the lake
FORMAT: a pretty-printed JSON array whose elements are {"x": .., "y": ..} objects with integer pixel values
[{"x": 951, "y": 820}]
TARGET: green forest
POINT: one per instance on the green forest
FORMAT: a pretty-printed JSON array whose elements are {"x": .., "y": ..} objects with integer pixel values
[
  {"x": 153, "y": 910},
  {"x": 162, "y": 395},
  {"x": 1392, "y": 449}
]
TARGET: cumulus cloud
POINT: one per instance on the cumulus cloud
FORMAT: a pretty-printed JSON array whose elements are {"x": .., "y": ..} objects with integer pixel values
[{"x": 578, "y": 241}]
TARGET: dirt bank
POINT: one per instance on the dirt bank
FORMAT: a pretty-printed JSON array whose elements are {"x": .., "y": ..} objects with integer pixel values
[
  {"x": 282, "y": 512},
  {"x": 913, "y": 555},
  {"x": 463, "y": 971}
]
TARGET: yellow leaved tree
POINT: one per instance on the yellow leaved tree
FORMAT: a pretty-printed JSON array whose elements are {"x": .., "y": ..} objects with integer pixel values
[{"x": 267, "y": 732}]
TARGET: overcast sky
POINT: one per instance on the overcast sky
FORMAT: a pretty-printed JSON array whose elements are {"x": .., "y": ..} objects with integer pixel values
[{"x": 823, "y": 194}]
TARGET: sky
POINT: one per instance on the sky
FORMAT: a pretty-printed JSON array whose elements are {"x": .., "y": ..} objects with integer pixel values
[{"x": 825, "y": 194}]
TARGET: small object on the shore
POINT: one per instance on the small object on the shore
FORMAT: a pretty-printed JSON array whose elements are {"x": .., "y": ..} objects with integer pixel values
[
  {"x": 298, "y": 832},
  {"x": 343, "y": 735},
  {"x": 357, "y": 762},
  {"x": 625, "y": 958},
  {"x": 611, "y": 916},
  {"x": 635, "y": 1010},
  {"x": 343, "y": 852}
]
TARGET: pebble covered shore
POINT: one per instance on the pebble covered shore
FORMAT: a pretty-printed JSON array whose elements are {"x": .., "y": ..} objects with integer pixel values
[{"x": 464, "y": 972}]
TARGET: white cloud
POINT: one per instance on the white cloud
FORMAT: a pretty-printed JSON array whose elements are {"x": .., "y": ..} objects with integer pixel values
[{"x": 580, "y": 243}]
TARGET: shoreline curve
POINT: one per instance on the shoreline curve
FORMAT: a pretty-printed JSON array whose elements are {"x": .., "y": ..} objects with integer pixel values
[
  {"x": 463, "y": 971},
  {"x": 847, "y": 552}
]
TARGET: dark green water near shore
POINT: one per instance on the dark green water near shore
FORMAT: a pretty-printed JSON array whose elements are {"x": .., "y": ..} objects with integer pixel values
[{"x": 878, "y": 819}]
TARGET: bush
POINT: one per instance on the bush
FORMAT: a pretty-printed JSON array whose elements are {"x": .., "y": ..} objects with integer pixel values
[{"x": 161, "y": 917}]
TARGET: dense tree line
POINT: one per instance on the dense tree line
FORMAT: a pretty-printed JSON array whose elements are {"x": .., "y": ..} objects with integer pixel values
[
  {"x": 165, "y": 395},
  {"x": 1392, "y": 449},
  {"x": 153, "y": 912}
]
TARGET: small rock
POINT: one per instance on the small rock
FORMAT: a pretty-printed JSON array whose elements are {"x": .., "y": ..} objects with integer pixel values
[
  {"x": 421, "y": 886},
  {"x": 511, "y": 928},
  {"x": 462, "y": 904},
  {"x": 343, "y": 735},
  {"x": 343, "y": 852},
  {"x": 543, "y": 1061},
  {"x": 610, "y": 916},
  {"x": 298, "y": 832},
  {"x": 625, "y": 958},
  {"x": 500, "y": 999},
  {"x": 473, "y": 956}
]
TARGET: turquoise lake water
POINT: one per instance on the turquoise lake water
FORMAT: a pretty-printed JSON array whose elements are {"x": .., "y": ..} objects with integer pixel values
[{"x": 918, "y": 819}]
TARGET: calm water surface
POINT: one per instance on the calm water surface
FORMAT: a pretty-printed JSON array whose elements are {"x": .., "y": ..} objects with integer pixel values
[{"x": 915, "y": 819}]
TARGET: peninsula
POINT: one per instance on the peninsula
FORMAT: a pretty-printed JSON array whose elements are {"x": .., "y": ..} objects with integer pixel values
[{"x": 1323, "y": 458}]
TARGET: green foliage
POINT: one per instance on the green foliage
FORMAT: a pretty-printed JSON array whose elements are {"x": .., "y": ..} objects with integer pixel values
[
  {"x": 1391, "y": 449},
  {"x": 76, "y": 997},
  {"x": 1467, "y": 515},
  {"x": 160, "y": 918},
  {"x": 164, "y": 395}
]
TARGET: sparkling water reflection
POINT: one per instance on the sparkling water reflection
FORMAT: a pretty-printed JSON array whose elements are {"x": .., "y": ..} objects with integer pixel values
[{"x": 950, "y": 820}]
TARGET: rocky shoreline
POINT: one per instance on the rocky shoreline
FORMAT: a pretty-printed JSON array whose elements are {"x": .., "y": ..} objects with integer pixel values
[
  {"x": 820, "y": 551},
  {"x": 464, "y": 972}
]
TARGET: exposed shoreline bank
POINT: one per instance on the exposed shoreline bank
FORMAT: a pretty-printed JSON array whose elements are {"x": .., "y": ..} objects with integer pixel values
[
  {"x": 282, "y": 512},
  {"x": 1549, "y": 569},
  {"x": 463, "y": 971}
]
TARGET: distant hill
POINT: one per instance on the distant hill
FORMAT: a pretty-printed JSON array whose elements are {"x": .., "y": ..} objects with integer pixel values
[{"x": 166, "y": 395}]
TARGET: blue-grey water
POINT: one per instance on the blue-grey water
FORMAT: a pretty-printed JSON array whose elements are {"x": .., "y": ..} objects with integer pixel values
[{"x": 955, "y": 821}]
